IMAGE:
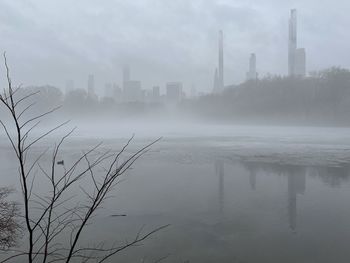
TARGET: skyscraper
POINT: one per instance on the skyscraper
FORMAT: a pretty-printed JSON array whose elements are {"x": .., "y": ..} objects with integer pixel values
[
  {"x": 156, "y": 93},
  {"x": 292, "y": 44},
  {"x": 252, "y": 74},
  {"x": 300, "y": 63},
  {"x": 216, "y": 87},
  {"x": 108, "y": 90},
  {"x": 296, "y": 57},
  {"x": 132, "y": 91},
  {"x": 221, "y": 61},
  {"x": 174, "y": 91},
  {"x": 117, "y": 92},
  {"x": 126, "y": 74}
]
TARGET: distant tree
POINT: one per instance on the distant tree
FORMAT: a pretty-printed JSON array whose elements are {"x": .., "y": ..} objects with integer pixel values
[
  {"x": 76, "y": 99},
  {"x": 323, "y": 97},
  {"x": 46, "y": 97}
]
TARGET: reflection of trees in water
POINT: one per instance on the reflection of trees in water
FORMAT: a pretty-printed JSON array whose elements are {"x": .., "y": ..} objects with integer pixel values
[
  {"x": 9, "y": 226},
  {"x": 332, "y": 176}
]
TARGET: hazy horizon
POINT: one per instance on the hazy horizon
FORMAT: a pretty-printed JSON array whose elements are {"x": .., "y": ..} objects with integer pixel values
[{"x": 164, "y": 40}]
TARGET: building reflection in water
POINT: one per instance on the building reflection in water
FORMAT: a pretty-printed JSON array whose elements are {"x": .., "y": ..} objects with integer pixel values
[
  {"x": 252, "y": 176},
  {"x": 220, "y": 172},
  {"x": 296, "y": 179},
  {"x": 296, "y": 185}
]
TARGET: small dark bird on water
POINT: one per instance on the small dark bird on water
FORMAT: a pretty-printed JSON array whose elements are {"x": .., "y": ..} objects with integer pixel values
[{"x": 60, "y": 162}]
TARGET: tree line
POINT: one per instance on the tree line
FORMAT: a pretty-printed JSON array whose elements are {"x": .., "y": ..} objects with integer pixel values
[{"x": 323, "y": 98}]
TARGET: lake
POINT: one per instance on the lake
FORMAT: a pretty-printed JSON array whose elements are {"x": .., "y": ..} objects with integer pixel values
[{"x": 230, "y": 194}]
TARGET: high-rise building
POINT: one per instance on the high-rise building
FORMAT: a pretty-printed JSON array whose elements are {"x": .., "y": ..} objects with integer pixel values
[
  {"x": 219, "y": 71},
  {"x": 117, "y": 92},
  {"x": 156, "y": 93},
  {"x": 108, "y": 90},
  {"x": 292, "y": 43},
  {"x": 252, "y": 74},
  {"x": 300, "y": 64},
  {"x": 296, "y": 57},
  {"x": 221, "y": 61},
  {"x": 132, "y": 91},
  {"x": 174, "y": 91},
  {"x": 216, "y": 88},
  {"x": 126, "y": 74}
]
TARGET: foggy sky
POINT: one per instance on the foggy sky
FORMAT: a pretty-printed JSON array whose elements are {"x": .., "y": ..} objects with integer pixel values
[{"x": 49, "y": 42}]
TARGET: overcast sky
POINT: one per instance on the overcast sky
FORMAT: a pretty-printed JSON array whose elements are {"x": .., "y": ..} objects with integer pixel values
[{"x": 51, "y": 41}]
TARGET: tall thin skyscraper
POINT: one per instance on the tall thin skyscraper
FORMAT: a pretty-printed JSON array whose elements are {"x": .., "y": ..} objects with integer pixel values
[
  {"x": 221, "y": 61},
  {"x": 292, "y": 44},
  {"x": 296, "y": 56},
  {"x": 216, "y": 87},
  {"x": 252, "y": 74}
]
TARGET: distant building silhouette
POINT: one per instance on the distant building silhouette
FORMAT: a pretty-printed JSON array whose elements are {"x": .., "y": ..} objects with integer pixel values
[
  {"x": 219, "y": 80},
  {"x": 126, "y": 74},
  {"x": 252, "y": 179},
  {"x": 109, "y": 90},
  {"x": 296, "y": 185},
  {"x": 132, "y": 91},
  {"x": 292, "y": 44},
  {"x": 300, "y": 64},
  {"x": 117, "y": 93},
  {"x": 156, "y": 93},
  {"x": 174, "y": 91},
  {"x": 221, "y": 61},
  {"x": 220, "y": 172},
  {"x": 91, "y": 87},
  {"x": 216, "y": 87},
  {"x": 252, "y": 74},
  {"x": 296, "y": 57}
]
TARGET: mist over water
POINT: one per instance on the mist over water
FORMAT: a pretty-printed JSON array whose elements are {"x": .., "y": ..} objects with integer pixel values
[
  {"x": 226, "y": 191},
  {"x": 226, "y": 122}
]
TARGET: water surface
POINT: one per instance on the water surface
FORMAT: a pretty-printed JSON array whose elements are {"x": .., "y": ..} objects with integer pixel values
[{"x": 239, "y": 197}]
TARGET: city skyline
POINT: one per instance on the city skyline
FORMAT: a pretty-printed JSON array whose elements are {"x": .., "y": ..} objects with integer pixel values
[
  {"x": 172, "y": 56},
  {"x": 132, "y": 90}
]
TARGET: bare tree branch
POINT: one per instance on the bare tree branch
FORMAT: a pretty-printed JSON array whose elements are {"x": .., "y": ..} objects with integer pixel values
[{"x": 58, "y": 214}]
